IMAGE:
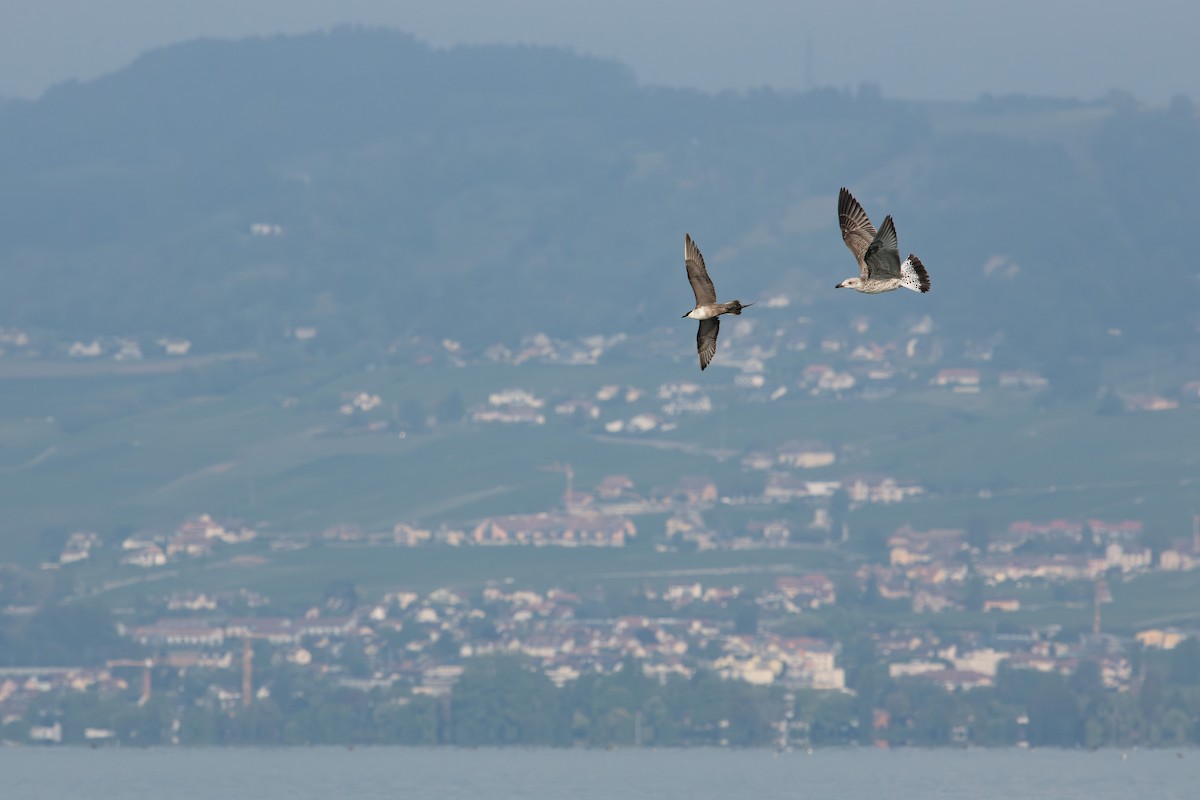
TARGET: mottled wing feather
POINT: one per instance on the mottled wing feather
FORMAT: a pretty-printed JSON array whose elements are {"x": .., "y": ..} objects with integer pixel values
[
  {"x": 857, "y": 230},
  {"x": 883, "y": 256},
  {"x": 706, "y": 340},
  {"x": 697, "y": 274}
]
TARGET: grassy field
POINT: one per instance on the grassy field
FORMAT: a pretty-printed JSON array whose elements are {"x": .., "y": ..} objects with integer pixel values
[{"x": 1161, "y": 600}]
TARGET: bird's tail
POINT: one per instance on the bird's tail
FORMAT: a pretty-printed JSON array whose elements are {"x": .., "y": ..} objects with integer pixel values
[
  {"x": 913, "y": 275},
  {"x": 735, "y": 307}
]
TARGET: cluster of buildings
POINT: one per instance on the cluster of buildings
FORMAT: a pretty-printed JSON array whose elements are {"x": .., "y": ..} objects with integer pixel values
[
  {"x": 195, "y": 537},
  {"x": 423, "y": 640},
  {"x": 566, "y": 530},
  {"x": 919, "y": 656},
  {"x": 855, "y": 361},
  {"x": 540, "y": 348},
  {"x": 851, "y": 363},
  {"x": 511, "y": 406},
  {"x": 17, "y": 342},
  {"x": 931, "y": 568},
  {"x": 521, "y": 406}
]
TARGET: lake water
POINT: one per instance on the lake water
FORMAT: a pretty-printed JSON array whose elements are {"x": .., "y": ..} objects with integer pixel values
[{"x": 697, "y": 774}]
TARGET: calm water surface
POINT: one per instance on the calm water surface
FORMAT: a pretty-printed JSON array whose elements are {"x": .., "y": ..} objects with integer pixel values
[{"x": 449, "y": 774}]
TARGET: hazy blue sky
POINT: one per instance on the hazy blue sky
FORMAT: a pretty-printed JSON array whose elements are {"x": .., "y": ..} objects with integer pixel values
[{"x": 934, "y": 49}]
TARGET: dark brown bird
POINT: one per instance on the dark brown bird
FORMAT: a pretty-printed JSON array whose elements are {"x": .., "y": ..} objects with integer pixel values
[{"x": 707, "y": 308}]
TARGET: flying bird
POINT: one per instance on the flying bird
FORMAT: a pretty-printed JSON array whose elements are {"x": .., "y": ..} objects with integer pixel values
[
  {"x": 878, "y": 254},
  {"x": 707, "y": 308}
]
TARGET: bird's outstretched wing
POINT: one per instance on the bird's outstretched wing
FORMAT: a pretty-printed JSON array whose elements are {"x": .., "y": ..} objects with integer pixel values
[
  {"x": 857, "y": 230},
  {"x": 706, "y": 340},
  {"x": 702, "y": 285},
  {"x": 883, "y": 256}
]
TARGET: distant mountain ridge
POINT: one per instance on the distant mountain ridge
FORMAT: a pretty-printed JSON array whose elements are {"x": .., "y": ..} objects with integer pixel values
[{"x": 475, "y": 192}]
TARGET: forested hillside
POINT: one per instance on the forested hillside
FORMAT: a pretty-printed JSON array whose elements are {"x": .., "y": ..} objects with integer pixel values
[{"x": 476, "y": 192}]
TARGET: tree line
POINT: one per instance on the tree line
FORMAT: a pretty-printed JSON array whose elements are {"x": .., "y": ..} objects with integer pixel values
[{"x": 504, "y": 701}]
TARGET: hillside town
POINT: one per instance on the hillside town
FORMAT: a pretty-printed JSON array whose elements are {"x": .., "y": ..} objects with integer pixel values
[
  {"x": 963, "y": 605},
  {"x": 419, "y": 643}
]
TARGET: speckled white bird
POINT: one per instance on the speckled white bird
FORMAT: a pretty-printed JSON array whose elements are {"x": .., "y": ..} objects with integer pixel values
[
  {"x": 877, "y": 253},
  {"x": 707, "y": 308}
]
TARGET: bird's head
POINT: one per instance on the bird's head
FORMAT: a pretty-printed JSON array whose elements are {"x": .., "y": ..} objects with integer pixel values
[{"x": 849, "y": 283}]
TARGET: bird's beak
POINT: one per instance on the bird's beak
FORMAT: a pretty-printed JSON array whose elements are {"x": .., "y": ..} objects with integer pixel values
[
  {"x": 839, "y": 286},
  {"x": 685, "y": 316}
]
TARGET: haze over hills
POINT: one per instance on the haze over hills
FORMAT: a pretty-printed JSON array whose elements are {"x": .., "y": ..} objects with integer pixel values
[
  {"x": 299, "y": 379},
  {"x": 470, "y": 193}
]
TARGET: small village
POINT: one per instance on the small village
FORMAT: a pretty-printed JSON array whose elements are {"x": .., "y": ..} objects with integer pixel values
[{"x": 421, "y": 641}]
